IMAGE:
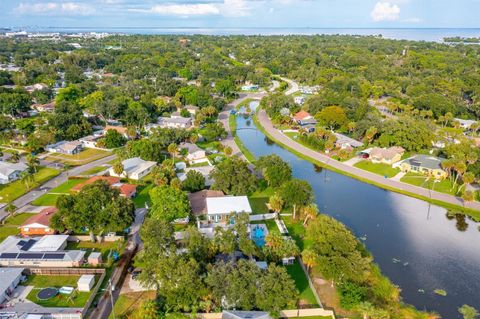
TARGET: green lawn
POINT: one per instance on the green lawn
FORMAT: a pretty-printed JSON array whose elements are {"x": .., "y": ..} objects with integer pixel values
[
  {"x": 143, "y": 196},
  {"x": 259, "y": 199},
  {"x": 39, "y": 282},
  {"x": 88, "y": 246},
  {"x": 378, "y": 168},
  {"x": 232, "y": 122},
  {"x": 127, "y": 303},
  {"x": 444, "y": 186},
  {"x": 67, "y": 186},
  {"x": 86, "y": 156},
  {"x": 14, "y": 190},
  {"x": 301, "y": 282},
  {"x": 292, "y": 136},
  {"x": 94, "y": 170},
  {"x": 46, "y": 200},
  {"x": 248, "y": 155},
  {"x": 10, "y": 227}
]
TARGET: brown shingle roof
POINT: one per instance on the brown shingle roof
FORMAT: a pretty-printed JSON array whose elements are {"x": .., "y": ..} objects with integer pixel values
[
  {"x": 198, "y": 202},
  {"x": 42, "y": 218}
]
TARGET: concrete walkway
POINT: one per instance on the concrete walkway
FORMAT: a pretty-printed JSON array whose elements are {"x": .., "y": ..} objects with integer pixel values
[
  {"x": 361, "y": 174},
  {"x": 398, "y": 177}
]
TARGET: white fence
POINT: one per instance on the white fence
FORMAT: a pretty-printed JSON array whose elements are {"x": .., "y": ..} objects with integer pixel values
[
  {"x": 293, "y": 313},
  {"x": 259, "y": 217}
]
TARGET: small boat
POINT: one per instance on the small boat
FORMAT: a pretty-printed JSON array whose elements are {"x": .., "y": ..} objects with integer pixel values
[
  {"x": 395, "y": 260},
  {"x": 405, "y": 264},
  {"x": 421, "y": 291}
]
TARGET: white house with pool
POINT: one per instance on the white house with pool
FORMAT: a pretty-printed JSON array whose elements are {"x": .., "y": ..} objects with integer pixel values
[{"x": 219, "y": 208}]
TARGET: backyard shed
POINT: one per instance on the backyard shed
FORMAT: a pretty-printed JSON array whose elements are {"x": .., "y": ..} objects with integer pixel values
[
  {"x": 86, "y": 282},
  {"x": 95, "y": 258}
]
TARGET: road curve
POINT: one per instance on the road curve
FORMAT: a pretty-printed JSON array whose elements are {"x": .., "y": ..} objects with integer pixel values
[
  {"x": 278, "y": 136},
  {"x": 292, "y": 86}
]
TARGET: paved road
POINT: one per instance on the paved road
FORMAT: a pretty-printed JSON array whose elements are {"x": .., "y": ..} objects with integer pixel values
[
  {"x": 224, "y": 115},
  {"x": 283, "y": 139},
  {"x": 292, "y": 86},
  {"x": 54, "y": 182}
]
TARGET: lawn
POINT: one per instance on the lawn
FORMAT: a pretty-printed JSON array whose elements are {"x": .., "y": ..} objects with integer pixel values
[
  {"x": 293, "y": 135},
  {"x": 88, "y": 246},
  {"x": 67, "y": 186},
  {"x": 143, "y": 196},
  {"x": 94, "y": 170},
  {"x": 10, "y": 227},
  {"x": 39, "y": 282},
  {"x": 378, "y": 168},
  {"x": 127, "y": 303},
  {"x": 248, "y": 155},
  {"x": 46, "y": 200},
  {"x": 259, "y": 199},
  {"x": 443, "y": 186},
  {"x": 232, "y": 122},
  {"x": 86, "y": 156},
  {"x": 14, "y": 190},
  {"x": 301, "y": 282}
]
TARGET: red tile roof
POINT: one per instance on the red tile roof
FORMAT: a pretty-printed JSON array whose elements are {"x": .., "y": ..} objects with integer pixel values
[
  {"x": 119, "y": 129},
  {"x": 127, "y": 190},
  {"x": 42, "y": 218},
  {"x": 302, "y": 115}
]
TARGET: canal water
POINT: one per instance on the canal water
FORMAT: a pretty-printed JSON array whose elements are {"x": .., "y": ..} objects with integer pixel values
[{"x": 417, "y": 245}]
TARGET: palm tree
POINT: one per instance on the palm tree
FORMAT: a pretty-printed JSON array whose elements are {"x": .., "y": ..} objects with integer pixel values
[
  {"x": 15, "y": 157},
  {"x": 118, "y": 168},
  {"x": 309, "y": 258},
  {"x": 467, "y": 178},
  {"x": 173, "y": 151},
  {"x": 33, "y": 162},
  {"x": 10, "y": 209},
  {"x": 468, "y": 196},
  {"x": 276, "y": 203},
  {"x": 460, "y": 168},
  {"x": 26, "y": 177},
  {"x": 228, "y": 151},
  {"x": 309, "y": 212}
]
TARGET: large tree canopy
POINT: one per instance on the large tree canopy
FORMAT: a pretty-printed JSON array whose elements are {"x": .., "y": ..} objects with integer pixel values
[
  {"x": 169, "y": 203},
  {"x": 233, "y": 176}
]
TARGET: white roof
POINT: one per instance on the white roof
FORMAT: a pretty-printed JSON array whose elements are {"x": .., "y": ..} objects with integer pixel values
[
  {"x": 86, "y": 279},
  {"x": 8, "y": 276},
  {"x": 7, "y": 168},
  {"x": 227, "y": 205},
  {"x": 135, "y": 165},
  {"x": 49, "y": 243}
]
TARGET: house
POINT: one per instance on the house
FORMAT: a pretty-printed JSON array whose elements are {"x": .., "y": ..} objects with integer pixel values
[
  {"x": 204, "y": 170},
  {"x": 134, "y": 168},
  {"x": 174, "y": 122},
  {"x": 48, "y": 107},
  {"x": 299, "y": 100},
  {"x": 345, "y": 142},
  {"x": 95, "y": 258},
  {"x": 194, "y": 153},
  {"x": 10, "y": 172},
  {"x": 120, "y": 129},
  {"x": 386, "y": 155},
  {"x": 198, "y": 200},
  {"x": 126, "y": 190},
  {"x": 465, "y": 124},
  {"x": 250, "y": 87},
  {"x": 36, "y": 87},
  {"x": 192, "y": 109},
  {"x": 65, "y": 147},
  {"x": 423, "y": 164},
  {"x": 46, "y": 251},
  {"x": 9, "y": 280},
  {"x": 301, "y": 117},
  {"x": 90, "y": 141},
  {"x": 235, "y": 314},
  {"x": 39, "y": 224},
  {"x": 219, "y": 208}
]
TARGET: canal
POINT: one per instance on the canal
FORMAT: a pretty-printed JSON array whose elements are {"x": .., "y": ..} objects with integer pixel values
[{"x": 417, "y": 245}]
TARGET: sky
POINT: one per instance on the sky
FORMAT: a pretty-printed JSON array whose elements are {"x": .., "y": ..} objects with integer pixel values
[{"x": 241, "y": 13}]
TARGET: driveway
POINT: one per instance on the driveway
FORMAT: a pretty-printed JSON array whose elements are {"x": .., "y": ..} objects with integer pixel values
[{"x": 292, "y": 86}]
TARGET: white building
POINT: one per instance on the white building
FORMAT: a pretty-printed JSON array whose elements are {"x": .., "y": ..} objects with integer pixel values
[
  {"x": 195, "y": 154},
  {"x": 86, "y": 282},
  {"x": 9, "y": 280},
  {"x": 204, "y": 170},
  {"x": 300, "y": 100},
  {"x": 174, "y": 122},
  {"x": 134, "y": 168},
  {"x": 219, "y": 208},
  {"x": 10, "y": 171},
  {"x": 65, "y": 147}
]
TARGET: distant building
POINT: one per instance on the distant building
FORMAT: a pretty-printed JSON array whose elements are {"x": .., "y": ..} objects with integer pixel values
[
  {"x": 10, "y": 172},
  {"x": 234, "y": 314},
  {"x": 465, "y": 124},
  {"x": 345, "y": 142},
  {"x": 36, "y": 87},
  {"x": 65, "y": 147},
  {"x": 194, "y": 153},
  {"x": 39, "y": 224},
  {"x": 386, "y": 155},
  {"x": 120, "y": 129},
  {"x": 48, "y": 107},
  {"x": 423, "y": 164},
  {"x": 250, "y": 87},
  {"x": 46, "y": 251},
  {"x": 303, "y": 118},
  {"x": 126, "y": 190},
  {"x": 134, "y": 168},
  {"x": 299, "y": 100},
  {"x": 192, "y": 109},
  {"x": 219, "y": 208},
  {"x": 90, "y": 141},
  {"x": 174, "y": 122},
  {"x": 9, "y": 280}
]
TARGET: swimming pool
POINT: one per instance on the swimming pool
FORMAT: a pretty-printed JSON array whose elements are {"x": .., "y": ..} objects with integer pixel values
[{"x": 258, "y": 234}]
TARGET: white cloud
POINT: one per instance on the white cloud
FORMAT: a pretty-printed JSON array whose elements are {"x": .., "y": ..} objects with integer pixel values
[
  {"x": 234, "y": 8},
  {"x": 52, "y": 8},
  {"x": 229, "y": 8},
  {"x": 385, "y": 11}
]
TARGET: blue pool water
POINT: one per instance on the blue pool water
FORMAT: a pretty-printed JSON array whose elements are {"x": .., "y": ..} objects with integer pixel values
[{"x": 258, "y": 236}]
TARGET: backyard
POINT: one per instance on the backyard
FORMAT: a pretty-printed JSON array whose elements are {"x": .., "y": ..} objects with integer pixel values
[
  {"x": 443, "y": 186},
  {"x": 14, "y": 190},
  {"x": 378, "y": 168},
  {"x": 103, "y": 247},
  {"x": 259, "y": 199},
  {"x": 143, "y": 196},
  {"x": 76, "y": 300},
  {"x": 127, "y": 303},
  {"x": 301, "y": 282},
  {"x": 86, "y": 156},
  {"x": 10, "y": 227}
]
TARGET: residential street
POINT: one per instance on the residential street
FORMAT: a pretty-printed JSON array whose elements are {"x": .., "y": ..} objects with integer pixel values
[
  {"x": 292, "y": 86},
  {"x": 283, "y": 139},
  {"x": 54, "y": 182}
]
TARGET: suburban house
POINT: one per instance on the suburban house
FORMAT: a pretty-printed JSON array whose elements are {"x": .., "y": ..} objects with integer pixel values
[
  {"x": 345, "y": 142},
  {"x": 464, "y": 124},
  {"x": 134, "y": 168},
  {"x": 194, "y": 153},
  {"x": 126, "y": 190},
  {"x": 120, "y": 129},
  {"x": 174, "y": 122},
  {"x": 299, "y": 100},
  {"x": 386, "y": 155},
  {"x": 10, "y": 172},
  {"x": 65, "y": 147},
  {"x": 204, "y": 170},
  {"x": 9, "y": 280},
  {"x": 301, "y": 117},
  {"x": 198, "y": 200},
  {"x": 250, "y": 87},
  {"x": 219, "y": 208},
  {"x": 35, "y": 87},
  {"x": 90, "y": 141},
  {"x": 48, "y": 107},
  {"x": 192, "y": 109},
  {"x": 46, "y": 251},
  {"x": 39, "y": 224},
  {"x": 236, "y": 314},
  {"x": 423, "y": 164}
]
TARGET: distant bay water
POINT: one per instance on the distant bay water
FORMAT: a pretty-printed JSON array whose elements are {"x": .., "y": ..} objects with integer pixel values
[{"x": 414, "y": 34}]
